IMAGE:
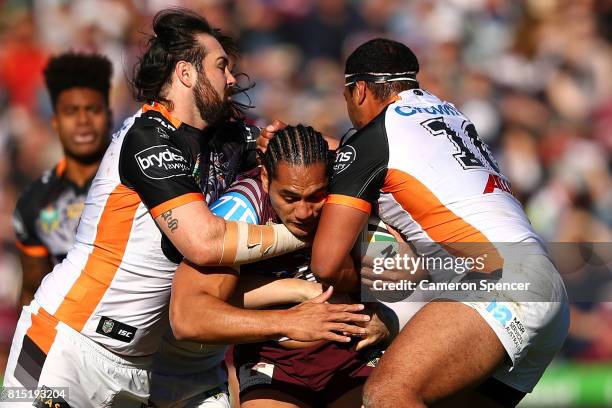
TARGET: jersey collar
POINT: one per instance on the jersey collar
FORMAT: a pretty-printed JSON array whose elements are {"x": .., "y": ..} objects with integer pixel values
[{"x": 158, "y": 107}]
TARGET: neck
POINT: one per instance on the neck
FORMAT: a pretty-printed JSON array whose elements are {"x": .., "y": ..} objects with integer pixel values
[
  {"x": 373, "y": 107},
  {"x": 185, "y": 110},
  {"x": 80, "y": 173}
]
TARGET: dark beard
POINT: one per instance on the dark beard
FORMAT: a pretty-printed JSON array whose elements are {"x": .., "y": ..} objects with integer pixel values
[{"x": 212, "y": 109}]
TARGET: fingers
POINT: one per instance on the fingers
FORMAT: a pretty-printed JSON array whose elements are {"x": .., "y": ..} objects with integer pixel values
[
  {"x": 348, "y": 317},
  {"x": 274, "y": 127},
  {"x": 269, "y": 131},
  {"x": 346, "y": 308},
  {"x": 365, "y": 343},
  {"x": 323, "y": 297},
  {"x": 346, "y": 329},
  {"x": 331, "y": 336},
  {"x": 267, "y": 134}
]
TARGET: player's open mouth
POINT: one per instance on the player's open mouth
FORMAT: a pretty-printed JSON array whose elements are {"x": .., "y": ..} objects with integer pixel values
[{"x": 86, "y": 137}]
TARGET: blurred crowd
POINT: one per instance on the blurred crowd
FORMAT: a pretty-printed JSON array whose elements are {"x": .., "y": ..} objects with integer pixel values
[{"x": 533, "y": 75}]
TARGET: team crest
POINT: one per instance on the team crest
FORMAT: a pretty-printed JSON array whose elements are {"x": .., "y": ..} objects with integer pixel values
[
  {"x": 49, "y": 219},
  {"x": 107, "y": 326}
]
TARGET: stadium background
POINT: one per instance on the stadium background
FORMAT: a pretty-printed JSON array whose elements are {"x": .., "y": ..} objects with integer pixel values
[{"x": 533, "y": 75}]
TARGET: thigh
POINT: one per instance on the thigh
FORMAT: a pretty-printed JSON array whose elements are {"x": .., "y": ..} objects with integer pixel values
[
  {"x": 350, "y": 399},
  {"x": 270, "y": 398},
  {"x": 444, "y": 349}
]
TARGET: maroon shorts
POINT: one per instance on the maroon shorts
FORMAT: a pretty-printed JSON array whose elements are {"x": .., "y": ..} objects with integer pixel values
[{"x": 315, "y": 375}]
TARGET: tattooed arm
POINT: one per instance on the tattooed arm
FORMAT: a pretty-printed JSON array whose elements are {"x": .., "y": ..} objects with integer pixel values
[{"x": 171, "y": 221}]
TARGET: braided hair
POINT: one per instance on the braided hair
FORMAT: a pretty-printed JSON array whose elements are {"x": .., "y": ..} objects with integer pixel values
[{"x": 296, "y": 145}]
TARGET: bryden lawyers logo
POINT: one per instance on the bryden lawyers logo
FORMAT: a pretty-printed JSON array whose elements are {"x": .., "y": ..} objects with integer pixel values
[
  {"x": 345, "y": 156},
  {"x": 162, "y": 162}
]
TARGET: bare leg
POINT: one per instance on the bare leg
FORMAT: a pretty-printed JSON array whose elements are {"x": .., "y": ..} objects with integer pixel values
[
  {"x": 270, "y": 399},
  {"x": 351, "y": 399},
  {"x": 444, "y": 349}
]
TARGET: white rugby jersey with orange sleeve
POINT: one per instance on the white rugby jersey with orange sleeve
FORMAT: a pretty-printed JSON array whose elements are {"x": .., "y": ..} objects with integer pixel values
[
  {"x": 421, "y": 164},
  {"x": 114, "y": 285}
]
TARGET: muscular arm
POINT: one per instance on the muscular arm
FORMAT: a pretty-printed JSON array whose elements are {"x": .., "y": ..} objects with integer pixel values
[
  {"x": 34, "y": 269},
  {"x": 199, "y": 312},
  {"x": 206, "y": 239},
  {"x": 256, "y": 291},
  {"x": 336, "y": 235}
]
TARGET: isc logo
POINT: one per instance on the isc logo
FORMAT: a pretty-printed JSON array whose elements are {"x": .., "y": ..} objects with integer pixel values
[{"x": 124, "y": 333}]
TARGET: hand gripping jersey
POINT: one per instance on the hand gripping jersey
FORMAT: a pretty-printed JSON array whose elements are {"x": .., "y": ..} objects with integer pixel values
[
  {"x": 47, "y": 215},
  {"x": 422, "y": 165},
  {"x": 114, "y": 285}
]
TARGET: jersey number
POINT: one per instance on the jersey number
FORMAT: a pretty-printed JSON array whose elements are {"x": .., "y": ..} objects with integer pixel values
[{"x": 473, "y": 153}]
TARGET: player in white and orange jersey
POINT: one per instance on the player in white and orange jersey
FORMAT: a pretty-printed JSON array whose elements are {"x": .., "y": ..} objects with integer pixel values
[
  {"x": 99, "y": 316},
  {"x": 417, "y": 161}
]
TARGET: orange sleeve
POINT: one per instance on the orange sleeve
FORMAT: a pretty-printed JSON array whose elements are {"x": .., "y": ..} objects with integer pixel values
[
  {"x": 357, "y": 203},
  {"x": 175, "y": 202},
  {"x": 35, "y": 251}
]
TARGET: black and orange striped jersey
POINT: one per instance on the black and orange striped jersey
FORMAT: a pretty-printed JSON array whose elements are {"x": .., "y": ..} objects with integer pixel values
[
  {"x": 47, "y": 214},
  {"x": 114, "y": 284},
  {"x": 422, "y": 168}
]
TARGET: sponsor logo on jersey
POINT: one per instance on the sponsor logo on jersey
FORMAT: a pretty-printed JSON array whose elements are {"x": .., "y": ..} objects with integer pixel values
[
  {"x": 510, "y": 321},
  {"x": 162, "y": 162},
  {"x": 442, "y": 109},
  {"x": 496, "y": 182},
  {"x": 116, "y": 330},
  {"x": 49, "y": 219},
  {"x": 345, "y": 156},
  {"x": 235, "y": 206},
  {"x": 197, "y": 171},
  {"x": 162, "y": 133},
  {"x": 163, "y": 123},
  {"x": 74, "y": 210}
]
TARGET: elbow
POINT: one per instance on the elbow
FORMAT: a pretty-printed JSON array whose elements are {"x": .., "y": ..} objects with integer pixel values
[
  {"x": 324, "y": 272},
  {"x": 185, "y": 329},
  {"x": 202, "y": 255},
  {"x": 180, "y": 329}
]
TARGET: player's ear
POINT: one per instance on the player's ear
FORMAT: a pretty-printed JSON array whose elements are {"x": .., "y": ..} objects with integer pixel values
[
  {"x": 184, "y": 71},
  {"x": 54, "y": 123},
  {"x": 265, "y": 181},
  {"x": 360, "y": 92}
]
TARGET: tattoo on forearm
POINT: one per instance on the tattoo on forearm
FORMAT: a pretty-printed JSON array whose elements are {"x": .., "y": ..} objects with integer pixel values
[{"x": 172, "y": 222}]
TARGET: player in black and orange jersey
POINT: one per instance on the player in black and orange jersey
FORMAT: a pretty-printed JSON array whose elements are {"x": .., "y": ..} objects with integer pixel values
[{"x": 48, "y": 212}]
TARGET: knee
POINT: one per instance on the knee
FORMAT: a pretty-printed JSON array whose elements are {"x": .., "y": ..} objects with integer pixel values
[{"x": 379, "y": 395}]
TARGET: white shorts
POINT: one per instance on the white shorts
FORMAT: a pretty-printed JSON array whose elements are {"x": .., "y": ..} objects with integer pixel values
[
  {"x": 532, "y": 332},
  {"x": 51, "y": 355}
]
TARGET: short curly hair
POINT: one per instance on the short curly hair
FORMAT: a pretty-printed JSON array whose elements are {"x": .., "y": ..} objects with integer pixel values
[
  {"x": 78, "y": 70},
  {"x": 383, "y": 55}
]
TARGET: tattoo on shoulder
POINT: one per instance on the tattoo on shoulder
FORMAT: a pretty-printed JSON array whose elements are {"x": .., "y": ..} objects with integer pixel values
[{"x": 171, "y": 221}]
